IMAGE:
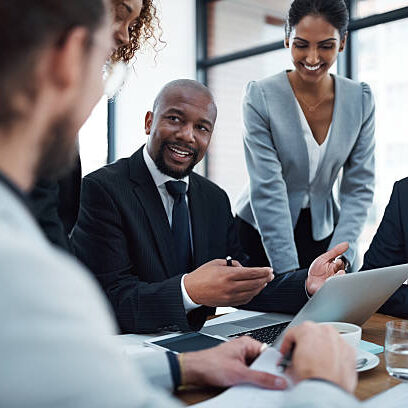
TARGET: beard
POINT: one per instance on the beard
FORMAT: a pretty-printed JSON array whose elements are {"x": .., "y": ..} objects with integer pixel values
[
  {"x": 169, "y": 171},
  {"x": 59, "y": 151}
]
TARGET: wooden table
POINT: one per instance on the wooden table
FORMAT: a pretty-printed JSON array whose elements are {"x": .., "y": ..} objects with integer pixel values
[
  {"x": 370, "y": 382},
  {"x": 374, "y": 381}
]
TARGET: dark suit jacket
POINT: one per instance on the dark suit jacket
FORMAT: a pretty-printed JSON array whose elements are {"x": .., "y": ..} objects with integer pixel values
[
  {"x": 55, "y": 205},
  {"x": 123, "y": 236},
  {"x": 390, "y": 246}
]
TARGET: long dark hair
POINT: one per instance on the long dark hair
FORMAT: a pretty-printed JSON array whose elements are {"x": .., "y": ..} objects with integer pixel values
[
  {"x": 334, "y": 11},
  {"x": 27, "y": 26}
]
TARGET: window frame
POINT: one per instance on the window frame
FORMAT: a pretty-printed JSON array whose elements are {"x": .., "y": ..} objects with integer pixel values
[{"x": 347, "y": 61}]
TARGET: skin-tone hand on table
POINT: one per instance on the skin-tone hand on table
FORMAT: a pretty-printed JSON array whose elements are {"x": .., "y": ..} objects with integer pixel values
[
  {"x": 320, "y": 352},
  {"x": 215, "y": 284},
  {"x": 227, "y": 365},
  {"x": 324, "y": 267}
]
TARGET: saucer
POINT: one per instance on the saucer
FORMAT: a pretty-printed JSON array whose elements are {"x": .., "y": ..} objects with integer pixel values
[{"x": 372, "y": 360}]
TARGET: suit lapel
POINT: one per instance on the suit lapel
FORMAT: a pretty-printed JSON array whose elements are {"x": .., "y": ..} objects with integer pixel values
[
  {"x": 199, "y": 221},
  {"x": 149, "y": 198},
  {"x": 290, "y": 125},
  {"x": 342, "y": 134}
]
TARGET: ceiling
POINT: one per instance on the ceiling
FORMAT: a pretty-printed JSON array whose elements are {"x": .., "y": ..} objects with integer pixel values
[{"x": 276, "y": 8}]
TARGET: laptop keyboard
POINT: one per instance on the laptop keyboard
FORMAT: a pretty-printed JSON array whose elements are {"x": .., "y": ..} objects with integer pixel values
[{"x": 266, "y": 334}]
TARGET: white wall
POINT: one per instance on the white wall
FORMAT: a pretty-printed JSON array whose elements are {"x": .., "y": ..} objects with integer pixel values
[{"x": 151, "y": 72}]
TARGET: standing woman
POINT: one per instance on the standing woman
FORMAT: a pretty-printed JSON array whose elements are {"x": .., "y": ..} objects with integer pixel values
[{"x": 302, "y": 128}]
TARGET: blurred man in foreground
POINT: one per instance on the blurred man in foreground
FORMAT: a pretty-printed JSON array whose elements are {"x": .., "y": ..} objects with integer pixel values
[{"x": 56, "y": 347}]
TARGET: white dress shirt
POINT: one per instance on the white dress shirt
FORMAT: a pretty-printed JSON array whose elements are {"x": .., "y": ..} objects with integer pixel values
[
  {"x": 160, "y": 180},
  {"x": 315, "y": 151}
]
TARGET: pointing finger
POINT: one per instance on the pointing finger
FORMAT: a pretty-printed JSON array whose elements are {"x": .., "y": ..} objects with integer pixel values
[{"x": 333, "y": 253}]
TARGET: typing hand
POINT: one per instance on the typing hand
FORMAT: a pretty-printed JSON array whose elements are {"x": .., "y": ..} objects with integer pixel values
[
  {"x": 320, "y": 352},
  {"x": 215, "y": 284},
  {"x": 227, "y": 365},
  {"x": 325, "y": 266}
]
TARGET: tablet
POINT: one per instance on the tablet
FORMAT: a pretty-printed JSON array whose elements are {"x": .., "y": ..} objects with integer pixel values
[{"x": 182, "y": 343}]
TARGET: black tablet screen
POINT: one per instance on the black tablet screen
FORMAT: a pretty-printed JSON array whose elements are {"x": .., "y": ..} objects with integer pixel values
[{"x": 189, "y": 342}]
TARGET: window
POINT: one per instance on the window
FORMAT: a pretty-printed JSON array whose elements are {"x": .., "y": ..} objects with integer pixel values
[
  {"x": 373, "y": 55},
  {"x": 226, "y": 162},
  {"x": 93, "y": 141},
  {"x": 382, "y": 65},
  {"x": 366, "y": 8},
  {"x": 234, "y": 25}
]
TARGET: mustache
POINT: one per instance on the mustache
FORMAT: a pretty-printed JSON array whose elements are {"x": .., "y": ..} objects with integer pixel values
[{"x": 184, "y": 146}]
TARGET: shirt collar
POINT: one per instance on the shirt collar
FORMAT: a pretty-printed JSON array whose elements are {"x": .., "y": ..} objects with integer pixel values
[
  {"x": 158, "y": 177},
  {"x": 16, "y": 190}
]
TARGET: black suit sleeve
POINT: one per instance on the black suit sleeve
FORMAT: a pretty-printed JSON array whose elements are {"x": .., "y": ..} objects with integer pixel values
[
  {"x": 44, "y": 200},
  {"x": 388, "y": 247},
  {"x": 99, "y": 240},
  {"x": 234, "y": 248},
  {"x": 55, "y": 206},
  {"x": 285, "y": 294}
]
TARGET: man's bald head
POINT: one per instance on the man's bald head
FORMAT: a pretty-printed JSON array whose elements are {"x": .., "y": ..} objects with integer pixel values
[
  {"x": 180, "y": 126},
  {"x": 178, "y": 84}
]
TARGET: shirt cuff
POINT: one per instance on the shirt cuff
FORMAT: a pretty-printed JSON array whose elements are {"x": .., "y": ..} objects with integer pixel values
[
  {"x": 327, "y": 382},
  {"x": 189, "y": 305},
  {"x": 156, "y": 367},
  {"x": 174, "y": 369},
  {"x": 307, "y": 293}
]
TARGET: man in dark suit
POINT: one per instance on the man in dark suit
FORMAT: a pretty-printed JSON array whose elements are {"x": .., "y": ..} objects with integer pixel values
[
  {"x": 390, "y": 246},
  {"x": 160, "y": 253}
]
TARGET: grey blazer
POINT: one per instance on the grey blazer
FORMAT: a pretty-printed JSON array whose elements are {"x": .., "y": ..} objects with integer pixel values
[
  {"x": 278, "y": 166},
  {"x": 56, "y": 343}
]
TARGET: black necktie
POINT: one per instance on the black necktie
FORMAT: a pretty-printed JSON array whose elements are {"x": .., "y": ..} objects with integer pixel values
[{"x": 180, "y": 226}]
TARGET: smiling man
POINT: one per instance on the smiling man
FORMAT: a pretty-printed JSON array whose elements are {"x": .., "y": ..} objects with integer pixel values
[
  {"x": 57, "y": 344},
  {"x": 156, "y": 234},
  {"x": 177, "y": 156}
]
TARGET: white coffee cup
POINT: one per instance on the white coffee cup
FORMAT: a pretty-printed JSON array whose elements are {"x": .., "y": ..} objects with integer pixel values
[{"x": 351, "y": 333}]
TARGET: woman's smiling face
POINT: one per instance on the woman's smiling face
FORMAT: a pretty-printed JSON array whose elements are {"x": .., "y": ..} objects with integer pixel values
[{"x": 315, "y": 45}]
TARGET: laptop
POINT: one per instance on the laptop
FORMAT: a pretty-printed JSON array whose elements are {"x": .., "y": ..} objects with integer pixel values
[{"x": 350, "y": 298}]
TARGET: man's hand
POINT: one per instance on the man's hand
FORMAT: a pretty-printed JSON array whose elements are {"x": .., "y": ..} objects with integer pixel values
[
  {"x": 227, "y": 365},
  {"x": 320, "y": 352},
  {"x": 324, "y": 267},
  {"x": 215, "y": 284}
]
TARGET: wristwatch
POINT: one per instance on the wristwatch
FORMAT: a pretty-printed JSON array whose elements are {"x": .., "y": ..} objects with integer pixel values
[{"x": 345, "y": 262}]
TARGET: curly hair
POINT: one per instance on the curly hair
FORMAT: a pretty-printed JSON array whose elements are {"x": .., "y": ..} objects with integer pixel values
[{"x": 146, "y": 29}]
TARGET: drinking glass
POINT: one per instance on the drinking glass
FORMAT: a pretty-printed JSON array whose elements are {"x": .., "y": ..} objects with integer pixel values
[{"x": 396, "y": 349}]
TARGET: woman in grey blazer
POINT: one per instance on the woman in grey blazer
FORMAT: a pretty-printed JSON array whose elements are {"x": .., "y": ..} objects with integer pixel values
[{"x": 303, "y": 128}]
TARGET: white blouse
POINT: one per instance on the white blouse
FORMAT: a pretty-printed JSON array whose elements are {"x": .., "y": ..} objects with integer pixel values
[{"x": 315, "y": 151}]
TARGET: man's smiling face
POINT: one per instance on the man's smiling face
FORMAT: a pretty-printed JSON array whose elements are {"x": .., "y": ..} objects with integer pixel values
[{"x": 180, "y": 129}]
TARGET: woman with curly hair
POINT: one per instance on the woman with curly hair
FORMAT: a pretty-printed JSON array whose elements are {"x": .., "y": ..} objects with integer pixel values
[
  {"x": 56, "y": 204},
  {"x": 135, "y": 24}
]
